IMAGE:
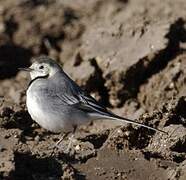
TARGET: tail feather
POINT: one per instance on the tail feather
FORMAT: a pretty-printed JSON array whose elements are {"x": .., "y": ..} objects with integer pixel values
[
  {"x": 115, "y": 117},
  {"x": 99, "y": 112}
]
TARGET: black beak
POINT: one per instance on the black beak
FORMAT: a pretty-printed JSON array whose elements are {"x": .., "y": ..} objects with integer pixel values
[{"x": 26, "y": 69}]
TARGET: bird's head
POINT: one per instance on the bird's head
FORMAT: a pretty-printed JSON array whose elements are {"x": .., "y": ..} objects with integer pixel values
[{"x": 42, "y": 66}]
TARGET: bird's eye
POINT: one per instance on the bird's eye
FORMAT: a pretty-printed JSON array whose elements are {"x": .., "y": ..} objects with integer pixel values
[{"x": 41, "y": 67}]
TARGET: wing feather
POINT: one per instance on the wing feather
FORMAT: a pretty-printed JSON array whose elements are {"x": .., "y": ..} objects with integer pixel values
[{"x": 69, "y": 93}]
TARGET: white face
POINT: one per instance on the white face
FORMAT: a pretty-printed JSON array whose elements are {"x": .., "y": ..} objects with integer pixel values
[{"x": 42, "y": 69}]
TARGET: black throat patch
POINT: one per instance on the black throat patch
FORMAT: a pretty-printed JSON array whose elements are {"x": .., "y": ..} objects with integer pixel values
[{"x": 39, "y": 77}]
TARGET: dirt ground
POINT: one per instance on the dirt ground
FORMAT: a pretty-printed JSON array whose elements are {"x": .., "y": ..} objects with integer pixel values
[{"x": 130, "y": 55}]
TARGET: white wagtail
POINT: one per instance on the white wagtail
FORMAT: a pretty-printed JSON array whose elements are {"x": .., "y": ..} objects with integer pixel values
[{"x": 58, "y": 104}]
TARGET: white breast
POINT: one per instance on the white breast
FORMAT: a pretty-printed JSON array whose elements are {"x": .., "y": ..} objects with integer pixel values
[
  {"x": 35, "y": 109},
  {"x": 41, "y": 112}
]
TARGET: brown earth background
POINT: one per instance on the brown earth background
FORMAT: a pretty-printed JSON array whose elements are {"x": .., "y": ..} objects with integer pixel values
[{"x": 130, "y": 55}]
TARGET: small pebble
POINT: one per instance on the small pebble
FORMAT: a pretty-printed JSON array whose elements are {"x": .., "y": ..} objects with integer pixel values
[
  {"x": 119, "y": 131},
  {"x": 37, "y": 138},
  {"x": 77, "y": 148}
]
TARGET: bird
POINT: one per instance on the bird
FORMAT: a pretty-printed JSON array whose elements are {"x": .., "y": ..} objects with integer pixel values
[{"x": 58, "y": 104}]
